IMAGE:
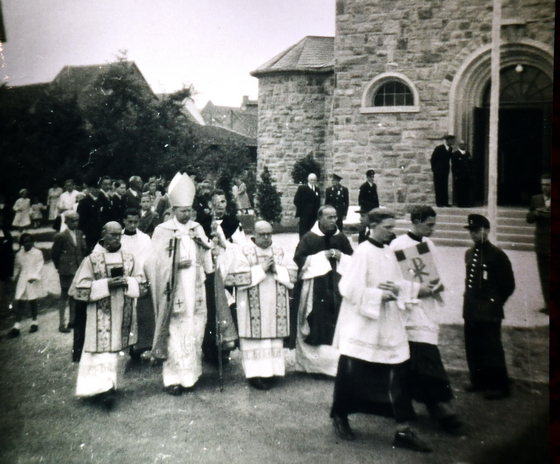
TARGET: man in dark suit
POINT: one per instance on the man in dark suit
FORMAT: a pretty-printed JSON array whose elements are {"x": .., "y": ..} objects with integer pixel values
[
  {"x": 119, "y": 189},
  {"x": 539, "y": 214},
  {"x": 440, "y": 167},
  {"x": 90, "y": 215},
  {"x": 107, "y": 212},
  {"x": 307, "y": 202},
  {"x": 462, "y": 170},
  {"x": 368, "y": 198},
  {"x": 337, "y": 196},
  {"x": 68, "y": 251},
  {"x": 131, "y": 198}
]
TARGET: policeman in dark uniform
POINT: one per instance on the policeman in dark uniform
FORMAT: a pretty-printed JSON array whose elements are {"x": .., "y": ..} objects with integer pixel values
[
  {"x": 489, "y": 283},
  {"x": 337, "y": 196}
]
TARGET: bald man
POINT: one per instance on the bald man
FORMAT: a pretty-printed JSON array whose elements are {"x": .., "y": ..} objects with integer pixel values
[
  {"x": 108, "y": 281},
  {"x": 307, "y": 202},
  {"x": 68, "y": 251},
  {"x": 263, "y": 274}
]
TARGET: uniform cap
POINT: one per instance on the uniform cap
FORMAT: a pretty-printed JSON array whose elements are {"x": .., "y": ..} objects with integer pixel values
[
  {"x": 336, "y": 177},
  {"x": 476, "y": 221},
  {"x": 181, "y": 190},
  {"x": 370, "y": 172},
  {"x": 448, "y": 137}
]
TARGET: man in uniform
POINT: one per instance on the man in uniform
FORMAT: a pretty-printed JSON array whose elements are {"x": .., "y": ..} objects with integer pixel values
[
  {"x": 108, "y": 282},
  {"x": 489, "y": 283},
  {"x": 67, "y": 253},
  {"x": 307, "y": 202},
  {"x": 428, "y": 379},
  {"x": 321, "y": 256},
  {"x": 439, "y": 161},
  {"x": 337, "y": 196},
  {"x": 179, "y": 257},
  {"x": 263, "y": 275},
  {"x": 368, "y": 198},
  {"x": 539, "y": 214}
]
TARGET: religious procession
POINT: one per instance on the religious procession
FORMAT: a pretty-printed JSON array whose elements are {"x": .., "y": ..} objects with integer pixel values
[{"x": 165, "y": 277}]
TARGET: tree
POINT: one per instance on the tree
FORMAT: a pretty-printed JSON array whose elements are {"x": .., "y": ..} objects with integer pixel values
[
  {"x": 268, "y": 203},
  {"x": 303, "y": 167}
]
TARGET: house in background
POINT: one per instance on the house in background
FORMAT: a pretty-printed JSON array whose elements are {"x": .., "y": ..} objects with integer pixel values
[{"x": 242, "y": 120}]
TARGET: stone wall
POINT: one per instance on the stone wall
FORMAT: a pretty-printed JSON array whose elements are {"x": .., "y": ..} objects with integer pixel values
[
  {"x": 293, "y": 123},
  {"x": 427, "y": 41}
]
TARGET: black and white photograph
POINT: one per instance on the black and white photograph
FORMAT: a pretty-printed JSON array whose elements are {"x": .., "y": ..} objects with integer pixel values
[{"x": 278, "y": 232}]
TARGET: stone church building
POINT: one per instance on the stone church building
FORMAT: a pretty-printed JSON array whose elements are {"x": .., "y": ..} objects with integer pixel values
[{"x": 396, "y": 78}]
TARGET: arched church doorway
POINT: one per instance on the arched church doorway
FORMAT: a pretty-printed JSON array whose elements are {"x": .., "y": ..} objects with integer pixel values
[{"x": 524, "y": 134}]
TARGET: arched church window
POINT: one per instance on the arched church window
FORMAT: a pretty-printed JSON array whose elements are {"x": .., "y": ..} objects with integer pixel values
[{"x": 390, "y": 93}]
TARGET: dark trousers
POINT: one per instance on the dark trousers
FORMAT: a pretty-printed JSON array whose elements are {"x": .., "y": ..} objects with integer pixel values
[
  {"x": 462, "y": 188},
  {"x": 19, "y": 306},
  {"x": 65, "y": 282},
  {"x": 485, "y": 355},
  {"x": 543, "y": 264},
  {"x": 440, "y": 188}
]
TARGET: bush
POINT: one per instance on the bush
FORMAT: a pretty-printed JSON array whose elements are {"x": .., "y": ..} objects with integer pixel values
[
  {"x": 268, "y": 203},
  {"x": 303, "y": 167}
]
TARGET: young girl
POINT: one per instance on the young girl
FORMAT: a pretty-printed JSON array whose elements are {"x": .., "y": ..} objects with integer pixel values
[
  {"x": 22, "y": 207},
  {"x": 27, "y": 274},
  {"x": 37, "y": 209}
]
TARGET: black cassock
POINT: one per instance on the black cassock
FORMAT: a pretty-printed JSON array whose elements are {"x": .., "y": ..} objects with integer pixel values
[{"x": 326, "y": 297}]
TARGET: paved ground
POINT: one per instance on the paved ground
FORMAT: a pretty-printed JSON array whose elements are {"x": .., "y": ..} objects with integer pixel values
[{"x": 43, "y": 422}]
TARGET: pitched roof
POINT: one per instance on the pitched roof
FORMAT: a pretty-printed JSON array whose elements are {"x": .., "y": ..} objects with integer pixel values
[
  {"x": 234, "y": 119},
  {"x": 76, "y": 80},
  {"x": 311, "y": 54}
]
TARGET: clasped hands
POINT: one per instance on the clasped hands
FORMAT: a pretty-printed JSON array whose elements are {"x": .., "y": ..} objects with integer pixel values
[
  {"x": 333, "y": 253},
  {"x": 390, "y": 290},
  {"x": 268, "y": 265}
]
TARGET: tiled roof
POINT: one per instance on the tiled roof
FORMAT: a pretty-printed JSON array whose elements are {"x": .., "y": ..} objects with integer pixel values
[
  {"x": 235, "y": 119},
  {"x": 311, "y": 54}
]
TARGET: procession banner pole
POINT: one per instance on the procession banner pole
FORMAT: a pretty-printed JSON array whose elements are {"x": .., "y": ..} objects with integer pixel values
[{"x": 494, "y": 119}]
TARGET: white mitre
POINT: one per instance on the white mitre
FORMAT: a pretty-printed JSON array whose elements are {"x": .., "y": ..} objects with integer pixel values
[{"x": 181, "y": 190}]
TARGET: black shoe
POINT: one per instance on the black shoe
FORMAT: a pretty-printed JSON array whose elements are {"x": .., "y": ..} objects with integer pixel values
[
  {"x": 408, "y": 439},
  {"x": 70, "y": 326},
  {"x": 495, "y": 394},
  {"x": 13, "y": 333},
  {"x": 545, "y": 311},
  {"x": 259, "y": 383},
  {"x": 174, "y": 390},
  {"x": 342, "y": 427},
  {"x": 34, "y": 328},
  {"x": 64, "y": 330}
]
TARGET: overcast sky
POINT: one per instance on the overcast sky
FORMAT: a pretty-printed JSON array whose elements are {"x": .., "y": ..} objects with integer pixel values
[{"x": 211, "y": 44}]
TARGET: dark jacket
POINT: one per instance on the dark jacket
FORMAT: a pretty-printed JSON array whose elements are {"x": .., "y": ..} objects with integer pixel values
[
  {"x": 91, "y": 219},
  {"x": 367, "y": 198},
  {"x": 307, "y": 201},
  {"x": 489, "y": 283},
  {"x": 337, "y": 196},
  {"x": 440, "y": 159},
  {"x": 66, "y": 255},
  {"x": 148, "y": 222},
  {"x": 540, "y": 216},
  {"x": 129, "y": 200},
  {"x": 461, "y": 165}
]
